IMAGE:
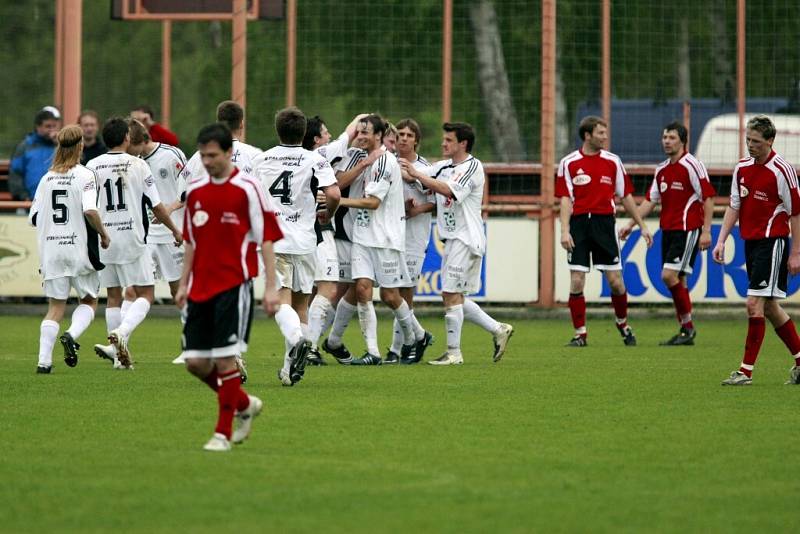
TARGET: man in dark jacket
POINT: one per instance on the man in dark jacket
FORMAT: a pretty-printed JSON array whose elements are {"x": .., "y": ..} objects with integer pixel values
[{"x": 34, "y": 155}]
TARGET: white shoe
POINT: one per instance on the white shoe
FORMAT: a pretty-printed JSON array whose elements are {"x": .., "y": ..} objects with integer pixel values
[
  {"x": 245, "y": 419},
  {"x": 283, "y": 376},
  {"x": 448, "y": 358},
  {"x": 218, "y": 443},
  {"x": 500, "y": 339},
  {"x": 180, "y": 360},
  {"x": 107, "y": 352},
  {"x": 120, "y": 343},
  {"x": 119, "y": 367}
]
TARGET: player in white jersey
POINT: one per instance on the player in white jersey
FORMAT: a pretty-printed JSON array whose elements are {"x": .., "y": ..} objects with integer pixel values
[
  {"x": 67, "y": 222},
  {"x": 291, "y": 176},
  {"x": 378, "y": 237},
  {"x": 458, "y": 183},
  {"x": 231, "y": 114},
  {"x": 127, "y": 188}
]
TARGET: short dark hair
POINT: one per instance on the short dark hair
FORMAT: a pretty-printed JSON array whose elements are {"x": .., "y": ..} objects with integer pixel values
[
  {"x": 231, "y": 114},
  {"x": 412, "y": 125},
  {"x": 44, "y": 115},
  {"x": 218, "y": 132},
  {"x": 763, "y": 125},
  {"x": 313, "y": 129},
  {"x": 588, "y": 124},
  {"x": 114, "y": 131},
  {"x": 377, "y": 122},
  {"x": 290, "y": 123},
  {"x": 463, "y": 131},
  {"x": 144, "y": 108},
  {"x": 676, "y": 126},
  {"x": 89, "y": 113}
]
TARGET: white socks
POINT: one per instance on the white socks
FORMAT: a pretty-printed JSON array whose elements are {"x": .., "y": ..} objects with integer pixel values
[
  {"x": 397, "y": 337},
  {"x": 474, "y": 314},
  {"x": 344, "y": 312},
  {"x": 453, "y": 321},
  {"x": 318, "y": 314},
  {"x": 47, "y": 338},
  {"x": 136, "y": 313},
  {"x": 289, "y": 323},
  {"x": 403, "y": 316},
  {"x": 419, "y": 332},
  {"x": 126, "y": 304},
  {"x": 82, "y": 317},
  {"x": 369, "y": 326},
  {"x": 113, "y": 319}
]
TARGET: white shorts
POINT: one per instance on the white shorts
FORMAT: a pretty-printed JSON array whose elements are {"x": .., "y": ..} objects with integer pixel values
[
  {"x": 86, "y": 285},
  {"x": 167, "y": 261},
  {"x": 414, "y": 267},
  {"x": 461, "y": 269},
  {"x": 295, "y": 271},
  {"x": 327, "y": 259},
  {"x": 385, "y": 267},
  {"x": 344, "y": 249},
  {"x": 136, "y": 273}
]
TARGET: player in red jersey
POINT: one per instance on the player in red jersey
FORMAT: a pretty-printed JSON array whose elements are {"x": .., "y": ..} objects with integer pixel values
[
  {"x": 226, "y": 218},
  {"x": 687, "y": 205},
  {"x": 765, "y": 201},
  {"x": 588, "y": 180}
]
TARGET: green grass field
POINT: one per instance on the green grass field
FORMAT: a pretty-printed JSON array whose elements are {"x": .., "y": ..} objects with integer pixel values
[{"x": 601, "y": 439}]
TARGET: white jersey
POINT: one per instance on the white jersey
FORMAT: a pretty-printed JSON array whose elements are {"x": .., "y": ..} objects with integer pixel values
[
  {"x": 166, "y": 163},
  {"x": 418, "y": 229},
  {"x": 291, "y": 175},
  {"x": 336, "y": 150},
  {"x": 460, "y": 217},
  {"x": 345, "y": 217},
  {"x": 242, "y": 156},
  {"x": 383, "y": 227},
  {"x": 126, "y": 189},
  {"x": 68, "y": 245}
]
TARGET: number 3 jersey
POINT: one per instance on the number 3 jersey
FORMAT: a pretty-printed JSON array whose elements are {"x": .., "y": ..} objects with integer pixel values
[
  {"x": 67, "y": 244},
  {"x": 291, "y": 175},
  {"x": 126, "y": 189}
]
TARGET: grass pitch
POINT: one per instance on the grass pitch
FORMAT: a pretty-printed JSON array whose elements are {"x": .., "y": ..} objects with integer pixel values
[{"x": 601, "y": 439}]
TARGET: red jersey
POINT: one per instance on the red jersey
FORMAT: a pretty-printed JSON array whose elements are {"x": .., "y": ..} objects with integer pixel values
[
  {"x": 765, "y": 196},
  {"x": 681, "y": 187},
  {"x": 225, "y": 222},
  {"x": 591, "y": 182}
]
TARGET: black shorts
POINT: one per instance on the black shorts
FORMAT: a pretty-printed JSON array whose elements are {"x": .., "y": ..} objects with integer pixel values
[
  {"x": 679, "y": 249},
  {"x": 220, "y": 326},
  {"x": 767, "y": 266},
  {"x": 595, "y": 236}
]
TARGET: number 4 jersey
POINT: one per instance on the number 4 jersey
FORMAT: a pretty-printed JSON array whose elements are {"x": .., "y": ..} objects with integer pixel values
[
  {"x": 291, "y": 176},
  {"x": 126, "y": 190}
]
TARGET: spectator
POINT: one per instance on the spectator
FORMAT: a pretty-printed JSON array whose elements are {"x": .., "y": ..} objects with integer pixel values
[
  {"x": 93, "y": 145},
  {"x": 158, "y": 133},
  {"x": 34, "y": 154}
]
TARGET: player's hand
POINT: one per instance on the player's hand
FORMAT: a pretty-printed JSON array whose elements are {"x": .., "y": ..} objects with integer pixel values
[
  {"x": 178, "y": 237},
  {"x": 180, "y": 296},
  {"x": 794, "y": 263},
  {"x": 719, "y": 253},
  {"x": 705, "y": 240},
  {"x": 567, "y": 242},
  {"x": 410, "y": 208},
  {"x": 271, "y": 302},
  {"x": 625, "y": 231},
  {"x": 105, "y": 241},
  {"x": 647, "y": 236},
  {"x": 373, "y": 157}
]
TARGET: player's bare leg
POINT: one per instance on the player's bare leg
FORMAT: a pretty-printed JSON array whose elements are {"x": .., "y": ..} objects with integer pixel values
[{"x": 619, "y": 299}]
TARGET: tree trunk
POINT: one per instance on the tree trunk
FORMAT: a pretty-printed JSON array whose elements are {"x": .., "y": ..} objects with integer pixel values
[
  {"x": 493, "y": 78},
  {"x": 724, "y": 82},
  {"x": 684, "y": 60}
]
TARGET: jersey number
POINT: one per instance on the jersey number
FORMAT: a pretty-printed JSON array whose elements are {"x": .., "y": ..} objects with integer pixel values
[
  {"x": 110, "y": 195},
  {"x": 60, "y": 214},
  {"x": 282, "y": 188}
]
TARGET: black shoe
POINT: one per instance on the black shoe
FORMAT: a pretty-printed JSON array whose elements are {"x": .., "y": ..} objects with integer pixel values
[
  {"x": 299, "y": 356},
  {"x": 42, "y": 370},
  {"x": 684, "y": 337},
  {"x": 367, "y": 359},
  {"x": 419, "y": 350},
  {"x": 70, "y": 349},
  {"x": 341, "y": 354},
  {"x": 391, "y": 357},
  {"x": 627, "y": 336},
  {"x": 577, "y": 341},
  {"x": 315, "y": 358},
  {"x": 408, "y": 352}
]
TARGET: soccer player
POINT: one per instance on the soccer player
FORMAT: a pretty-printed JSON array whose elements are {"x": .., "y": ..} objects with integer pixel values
[
  {"x": 67, "y": 222},
  {"x": 587, "y": 182},
  {"x": 458, "y": 184},
  {"x": 379, "y": 242},
  {"x": 390, "y": 138},
  {"x": 226, "y": 218},
  {"x": 687, "y": 206},
  {"x": 126, "y": 186},
  {"x": 765, "y": 201},
  {"x": 291, "y": 175},
  {"x": 420, "y": 203}
]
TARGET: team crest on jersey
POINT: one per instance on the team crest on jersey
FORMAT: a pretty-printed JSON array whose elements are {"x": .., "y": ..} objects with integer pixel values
[
  {"x": 606, "y": 180},
  {"x": 663, "y": 187},
  {"x": 149, "y": 180},
  {"x": 162, "y": 173},
  {"x": 581, "y": 179},
  {"x": 743, "y": 191},
  {"x": 199, "y": 218}
]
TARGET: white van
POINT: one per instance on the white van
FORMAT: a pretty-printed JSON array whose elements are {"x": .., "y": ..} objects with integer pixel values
[{"x": 718, "y": 146}]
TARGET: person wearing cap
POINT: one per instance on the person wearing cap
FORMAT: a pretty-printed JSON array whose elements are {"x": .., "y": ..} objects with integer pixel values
[{"x": 34, "y": 154}]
